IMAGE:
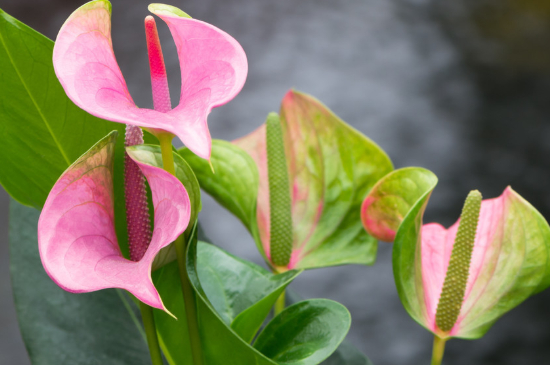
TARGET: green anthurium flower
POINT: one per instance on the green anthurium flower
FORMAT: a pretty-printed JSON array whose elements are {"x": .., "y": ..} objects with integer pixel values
[
  {"x": 457, "y": 282},
  {"x": 297, "y": 183}
]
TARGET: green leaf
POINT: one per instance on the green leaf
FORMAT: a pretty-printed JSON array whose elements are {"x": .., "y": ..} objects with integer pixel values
[
  {"x": 54, "y": 323},
  {"x": 345, "y": 354},
  {"x": 299, "y": 335},
  {"x": 42, "y": 131},
  {"x": 391, "y": 198},
  {"x": 234, "y": 182},
  {"x": 241, "y": 292},
  {"x": 221, "y": 345}
]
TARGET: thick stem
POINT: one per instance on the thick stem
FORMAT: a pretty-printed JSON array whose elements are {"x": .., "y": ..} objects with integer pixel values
[
  {"x": 181, "y": 249},
  {"x": 151, "y": 333},
  {"x": 438, "y": 350},
  {"x": 279, "y": 304},
  {"x": 190, "y": 302},
  {"x": 161, "y": 100},
  {"x": 165, "y": 140}
]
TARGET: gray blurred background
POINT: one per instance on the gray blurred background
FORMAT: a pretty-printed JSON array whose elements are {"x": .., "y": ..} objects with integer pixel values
[{"x": 457, "y": 86}]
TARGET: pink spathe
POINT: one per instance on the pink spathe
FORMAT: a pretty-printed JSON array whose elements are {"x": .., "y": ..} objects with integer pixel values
[
  {"x": 437, "y": 245},
  {"x": 76, "y": 232},
  {"x": 213, "y": 71}
]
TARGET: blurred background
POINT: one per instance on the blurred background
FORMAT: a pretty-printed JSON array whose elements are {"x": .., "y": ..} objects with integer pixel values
[{"x": 460, "y": 87}]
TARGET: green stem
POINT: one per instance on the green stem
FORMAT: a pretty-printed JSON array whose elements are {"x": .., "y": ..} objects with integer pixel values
[
  {"x": 280, "y": 303},
  {"x": 165, "y": 140},
  {"x": 189, "y": 301},
  {"x": 439, "y": 349},
  {"x": 181, "y": 248},
  {"x": 151, "y": 333}
]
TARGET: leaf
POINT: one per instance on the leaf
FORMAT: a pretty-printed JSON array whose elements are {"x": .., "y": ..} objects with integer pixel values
[
  {"x": 241, "y": 292},
  {"x": 221, "y": 345},
  {"x": 55, "y": 324},
  {"x": 391, "y": 198},
  {"x": 332, "y": 167},
  {"x": 345, "y": 354},
  {"x": 299, "y": 335},
  {"x": 42, "y": 131},
  {"x": 234, "y": 182}
]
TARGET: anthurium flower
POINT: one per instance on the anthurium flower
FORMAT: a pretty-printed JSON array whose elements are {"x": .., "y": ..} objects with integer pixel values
[
  {"x": 213, "y": 70},
  {"x": 76, "y": 233},
  {"x": 318, "y": 168},
  {"x": 457, "y": 282}
]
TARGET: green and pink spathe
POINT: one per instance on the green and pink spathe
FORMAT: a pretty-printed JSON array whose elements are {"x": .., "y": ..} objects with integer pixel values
[{"x": 509, "y": 259}]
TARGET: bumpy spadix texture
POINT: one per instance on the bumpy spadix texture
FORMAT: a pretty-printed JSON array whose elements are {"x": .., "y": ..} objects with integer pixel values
[
  {"x": 159, "y": 78},
  {"x": 213, "y": 70},
  {"x": 444, "y": 287},
  {"x": 456, "y": 277},
  {"x": 76, "y": 233},
  {"x": 279, "y": 193},
  {"x": 331, "y": 167},
  {"x": 135, "y": 193}
]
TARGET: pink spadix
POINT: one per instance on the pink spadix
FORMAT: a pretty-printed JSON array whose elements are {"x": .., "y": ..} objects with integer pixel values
[
  {"x": 213, "y": 70},
  {"x": 159, "y": 79},
  {"x": 135, "y": 193}
]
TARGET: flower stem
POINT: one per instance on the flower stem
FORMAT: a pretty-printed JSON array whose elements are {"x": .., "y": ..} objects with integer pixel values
[
  {"x": 165, "y": 140},
  {"x": 190, "y": 302},
  {"x": 151, "y": 333},
  {"x": 181, "y": 249},
  {"x": 438, "y": 350},
  {"x": 280, "y": 304}
]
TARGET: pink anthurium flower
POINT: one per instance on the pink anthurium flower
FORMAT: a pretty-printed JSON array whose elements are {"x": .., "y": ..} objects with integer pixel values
[
  {"x": 213, "y": 71},
  {"x": 76, "y": 233},
  {"x": 457, "y": 282}
]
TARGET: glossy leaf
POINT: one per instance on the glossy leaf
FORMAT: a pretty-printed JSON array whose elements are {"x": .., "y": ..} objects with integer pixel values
[
  {"x": 54, "y": 323},
  {"x": 241, "y": 293},
  {"x": 234, "y": 182},
  {"x": 213, "y": 71},
  {"x": 76, "y": 232},
  {"x": 345, "y": 354},
  {"x": 221, "y": 343},
  {"x": 299, "y": 335},
  {"x": 510, "y": 262},
  {"x": 42, "y": 131},
  {"x": 391, "y": 198}
]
